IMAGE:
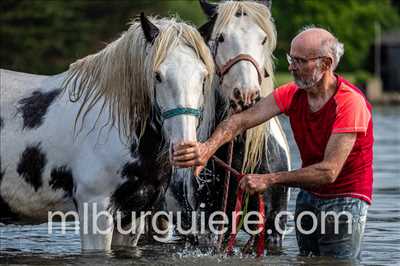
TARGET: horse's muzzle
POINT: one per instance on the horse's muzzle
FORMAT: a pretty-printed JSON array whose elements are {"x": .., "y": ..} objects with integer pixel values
[{"x": 239, "y": 106}]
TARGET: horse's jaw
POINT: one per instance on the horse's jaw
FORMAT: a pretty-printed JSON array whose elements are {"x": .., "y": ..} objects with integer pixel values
[{"x": 179, "y": 129}]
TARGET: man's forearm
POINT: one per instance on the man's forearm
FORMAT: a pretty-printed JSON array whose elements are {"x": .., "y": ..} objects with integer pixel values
[
  {"x": 311, "y": 176},
  {"x": 226, "y": 131}
]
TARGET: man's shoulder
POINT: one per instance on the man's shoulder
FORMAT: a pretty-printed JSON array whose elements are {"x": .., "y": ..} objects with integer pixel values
[
  {"x": 288, "y": 89},
  {"x": 289, "y": 86},
  {"x": 284, "y": 96},
  {"x": 349, "y": 94}
]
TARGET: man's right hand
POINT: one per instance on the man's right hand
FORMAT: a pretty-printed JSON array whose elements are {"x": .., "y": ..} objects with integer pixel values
[{"x": 191, "y": 153}]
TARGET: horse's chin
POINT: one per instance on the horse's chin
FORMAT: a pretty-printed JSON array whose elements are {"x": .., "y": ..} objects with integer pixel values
[{"x": 238, "y": 106}]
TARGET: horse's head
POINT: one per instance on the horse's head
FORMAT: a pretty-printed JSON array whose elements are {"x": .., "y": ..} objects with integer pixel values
[
  {"x": 180, "y": 73},
  {"x": 242, "y": 37},
  {"x": 181, "y": 78}
]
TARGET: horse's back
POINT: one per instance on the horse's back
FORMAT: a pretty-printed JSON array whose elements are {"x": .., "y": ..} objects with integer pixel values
[{"x": 14, "y": 85}]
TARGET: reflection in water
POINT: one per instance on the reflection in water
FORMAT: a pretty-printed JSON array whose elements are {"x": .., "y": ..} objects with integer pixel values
[{"x": 32, "y": 244}]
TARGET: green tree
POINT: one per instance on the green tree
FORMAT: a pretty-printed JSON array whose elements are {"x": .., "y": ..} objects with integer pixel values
[
  {"x": 351, "y": 21},
  {"x": 45, "y": 36}
]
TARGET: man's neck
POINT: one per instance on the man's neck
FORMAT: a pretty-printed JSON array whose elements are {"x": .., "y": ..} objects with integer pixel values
[
  {"x": 322, "y": 92},
  {"x": 325, "y": 88}
]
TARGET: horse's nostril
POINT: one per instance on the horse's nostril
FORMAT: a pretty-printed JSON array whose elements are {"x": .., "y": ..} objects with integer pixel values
[
  {"x": 232, "y": 104},
  {"x": 236, "y": 93}
]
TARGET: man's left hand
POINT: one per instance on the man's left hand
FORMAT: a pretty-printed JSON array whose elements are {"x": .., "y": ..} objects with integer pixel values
[{"x": 256, "y": 183}]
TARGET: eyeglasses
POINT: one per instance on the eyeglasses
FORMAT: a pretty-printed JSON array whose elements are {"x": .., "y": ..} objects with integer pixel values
[{"x": 299, "y": 61}]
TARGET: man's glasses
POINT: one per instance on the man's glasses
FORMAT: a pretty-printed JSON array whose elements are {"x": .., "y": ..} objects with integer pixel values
[{"x": 299, "y": 61}]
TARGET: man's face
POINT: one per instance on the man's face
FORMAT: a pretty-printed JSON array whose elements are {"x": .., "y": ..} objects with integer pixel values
[{"x": 305, "y": 67}]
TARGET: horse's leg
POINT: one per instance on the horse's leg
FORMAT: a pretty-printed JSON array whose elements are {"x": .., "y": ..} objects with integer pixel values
[
  {"x": 131, "y": 233},
  {"x": 96, "y": 222},
  {"x": 119, "y": 239},
  {"x": 96, "y": 225},
  {"x": 276, "y": 197}
]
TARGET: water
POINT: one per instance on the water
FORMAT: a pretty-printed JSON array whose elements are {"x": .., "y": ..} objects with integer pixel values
[{"x": 381, "y": 245}]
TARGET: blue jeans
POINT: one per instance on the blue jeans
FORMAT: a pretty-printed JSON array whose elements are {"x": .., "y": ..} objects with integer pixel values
[{"x": 328, "y": 235}]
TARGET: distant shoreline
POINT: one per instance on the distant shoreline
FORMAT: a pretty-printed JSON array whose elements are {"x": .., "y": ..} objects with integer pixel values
[{"x": 387, "y": 98}]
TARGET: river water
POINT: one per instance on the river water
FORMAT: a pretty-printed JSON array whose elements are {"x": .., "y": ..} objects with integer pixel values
[{"x": 381, "y": 246}]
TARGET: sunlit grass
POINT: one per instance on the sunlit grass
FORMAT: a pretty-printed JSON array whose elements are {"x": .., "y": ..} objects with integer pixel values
[{"x": 282, "y": 78}]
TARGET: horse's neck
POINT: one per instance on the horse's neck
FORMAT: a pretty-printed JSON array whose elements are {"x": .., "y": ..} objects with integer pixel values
[
  {"x": 221, "y": 108},
  {"x": 151, "y": 142}
]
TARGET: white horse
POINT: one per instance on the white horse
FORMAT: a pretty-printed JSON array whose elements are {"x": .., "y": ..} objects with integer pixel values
[
  {"x": 242, "y": 37},
  {"x": 97, "y": 136}
]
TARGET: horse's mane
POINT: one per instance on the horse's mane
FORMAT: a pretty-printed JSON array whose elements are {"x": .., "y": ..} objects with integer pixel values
[
  {"x": 261, "y": 15},
  {"x": 120, "y": 77}
]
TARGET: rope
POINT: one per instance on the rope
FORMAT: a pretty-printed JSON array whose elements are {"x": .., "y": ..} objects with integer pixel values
[
  {"x": 226, "y": 191},
  {"x": 238, "y": 206}
]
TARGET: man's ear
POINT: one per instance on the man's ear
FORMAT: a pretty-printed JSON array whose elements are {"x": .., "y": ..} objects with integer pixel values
[{"x": 327, "y": 63}]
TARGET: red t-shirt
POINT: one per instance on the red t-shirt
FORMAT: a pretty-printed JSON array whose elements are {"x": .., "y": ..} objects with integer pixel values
[{"x": 346, "y": 111}]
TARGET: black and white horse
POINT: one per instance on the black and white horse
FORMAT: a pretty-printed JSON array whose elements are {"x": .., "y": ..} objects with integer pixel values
[
  {"x": 97, "y": 136},
  {"x": 242, "y": 37}
]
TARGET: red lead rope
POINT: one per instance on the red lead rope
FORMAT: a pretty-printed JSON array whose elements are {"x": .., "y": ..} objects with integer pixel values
[
  {"x": 238, "y": 207},
  {"x": 261, "y": 226}
]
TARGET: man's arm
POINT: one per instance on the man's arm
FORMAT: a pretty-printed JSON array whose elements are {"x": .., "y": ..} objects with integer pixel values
[
  {"x": 338, "y": 149},
  {"x": 189, "y": 154}
]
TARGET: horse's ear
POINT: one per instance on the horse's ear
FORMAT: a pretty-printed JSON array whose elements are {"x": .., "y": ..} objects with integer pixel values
[
  {"x": 267, "y": 3},
  {"x": 208, "y": 8},
  {"x": 149, "y": 29},
  {"x": 207, "y": 28}
]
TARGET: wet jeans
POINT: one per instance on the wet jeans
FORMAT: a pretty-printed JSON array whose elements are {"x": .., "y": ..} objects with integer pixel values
[{"x": 330, "y": 227}]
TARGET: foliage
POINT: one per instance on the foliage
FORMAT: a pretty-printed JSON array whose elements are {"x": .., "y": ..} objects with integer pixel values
[
  {"x": 45, "y": 36},
  {"x": 351, "y": 21}
]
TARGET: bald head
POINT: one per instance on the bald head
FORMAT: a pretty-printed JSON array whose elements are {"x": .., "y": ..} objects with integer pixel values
[
  {"x": 314, "y": 42},
  {"x": 311, "y": 40}
]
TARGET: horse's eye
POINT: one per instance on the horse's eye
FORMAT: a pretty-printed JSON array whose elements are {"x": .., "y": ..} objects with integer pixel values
[
  {"x": 221, "y": 38},
  {"x": 158, "y": 77},
  {"x": 240, "y": 13},
  {"x": 264, "y": 41}
]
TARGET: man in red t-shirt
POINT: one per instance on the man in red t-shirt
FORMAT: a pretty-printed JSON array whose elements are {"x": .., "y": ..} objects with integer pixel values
[{"x": 332, "y": 126}]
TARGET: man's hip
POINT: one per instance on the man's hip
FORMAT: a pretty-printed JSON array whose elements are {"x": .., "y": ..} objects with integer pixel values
[{"x": 330, "y": 227}]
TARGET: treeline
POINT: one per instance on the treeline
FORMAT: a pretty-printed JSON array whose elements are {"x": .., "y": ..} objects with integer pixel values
[{"x": 45, "y": 36}]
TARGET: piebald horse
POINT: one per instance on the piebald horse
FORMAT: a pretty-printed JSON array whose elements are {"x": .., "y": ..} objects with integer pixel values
[
  {"x": 242, "y": 38},
  {"x": 98, "y": 135}
]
